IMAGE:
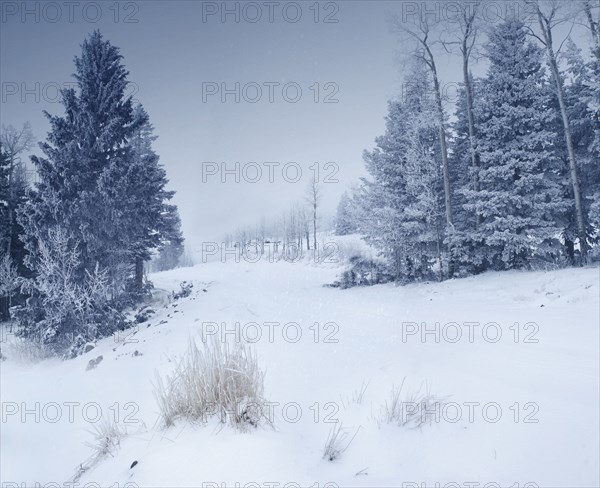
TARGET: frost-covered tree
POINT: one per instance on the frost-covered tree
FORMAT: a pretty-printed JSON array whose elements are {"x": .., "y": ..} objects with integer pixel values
[
  {"x": 384, "y": 194},
  {"x": 4, "y": 200},
  {"x": 423, "y": 33},
  {"x": 592, "y": 82},
  {"x": 344, "y": 219},
  {"x": 404, "y": 197},
  {"x": 13, "y": 194},
  {"x": 82, "y": 148},
  {"x": 65, "y": 311},
  {"x": 583, "y": 102},
  {"x": 462, "y": 35},
  {"x": 4, "y": 235},
  {"x": 313, "y": 198},
  {"x": 14, "y": 143},
  {"x": 582, "y": 136},
  {"x": 169, "y": 256},
  {"x": 101, "y": 190},
  {"x": 144, "y": 219},
  {"x": 6, "y": 262},
  {"x": 519, "y": 200},
  {"x": 550, "y": 15},
  {"x": 464, "y": 161},
  {"x": 464, "y": 173}
]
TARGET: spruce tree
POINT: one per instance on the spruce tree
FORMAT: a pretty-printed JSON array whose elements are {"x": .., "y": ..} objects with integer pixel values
[
  {"x": 99, "y": 207},
  {"x": 468, "y": 247},
  {"x": 146, "y": 221},
  {"x": 520, "y": 198},
  {"x": 344, "y": 219},
  {"x": 82, "y": 146},
  {"x": 404, "y": 199}
]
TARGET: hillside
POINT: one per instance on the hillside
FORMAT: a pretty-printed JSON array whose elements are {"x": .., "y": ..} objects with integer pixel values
[{"x": 516, "y": 409}]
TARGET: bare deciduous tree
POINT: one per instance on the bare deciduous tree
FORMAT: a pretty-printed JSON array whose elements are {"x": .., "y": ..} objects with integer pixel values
[
  {"x": 421, "y": 33},
  {"x": 550, "y": 15},
  {"x": 314, "y": 198},
  {"x": 8, "y": 283},
  {"x": 14, "y": 142},
  {"x": 593, "y": 24},
  {"x": 465, "y": 39}
]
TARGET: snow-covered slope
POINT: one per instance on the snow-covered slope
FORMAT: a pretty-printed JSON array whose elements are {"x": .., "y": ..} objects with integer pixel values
[{"x": 518, "y": 409}]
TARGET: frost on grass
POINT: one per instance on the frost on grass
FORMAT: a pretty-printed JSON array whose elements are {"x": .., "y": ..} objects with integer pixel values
[
  {"x": 359, "y": 394},
  {"x": 107, "y": 435},
  {"x": 24, "y": 351},
  {"x": 417, "y": 409},
  {"x": 337, "y": 442},
  {"x": 214, "y": 380}
]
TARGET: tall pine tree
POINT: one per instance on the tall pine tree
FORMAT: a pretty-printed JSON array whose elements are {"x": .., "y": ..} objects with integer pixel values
[
  {"x": 404, "y": 198},
  {"x": 146, "y": 221},
  {"x": 344, "y": 219},
  {"x": 99, "y": 207},
  {"x": 519, "y": 199}
]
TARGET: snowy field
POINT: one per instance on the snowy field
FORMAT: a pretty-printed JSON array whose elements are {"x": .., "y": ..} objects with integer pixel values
[{"x": 514, "y": 409}]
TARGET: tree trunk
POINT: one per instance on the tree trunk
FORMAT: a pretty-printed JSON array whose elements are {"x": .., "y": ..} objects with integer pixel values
[
  {"x": 471, "y": 122},
  {"x": 593, "y": 28},
  {"x": 4, "y": 306},
  {"x": 547, "y": 33},
  {"x": 569, "y": 250},
  {"x": 11, "y": 193},
  {"x": 315, "y": 224},
  {"x": 445, "y": 166},
  {"x": 444, "y": 148}
]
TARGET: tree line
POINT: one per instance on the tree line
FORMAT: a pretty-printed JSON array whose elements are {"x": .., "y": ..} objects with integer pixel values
[
  {"x": 512, "y": 180},
  {"x": 292, "y": 235}
]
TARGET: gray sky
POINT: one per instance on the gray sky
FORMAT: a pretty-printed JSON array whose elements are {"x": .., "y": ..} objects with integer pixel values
[{"x": 174, "y": 49}]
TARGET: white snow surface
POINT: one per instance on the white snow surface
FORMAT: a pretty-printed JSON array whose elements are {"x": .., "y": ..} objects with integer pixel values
[{"x": 545, "y": 385}]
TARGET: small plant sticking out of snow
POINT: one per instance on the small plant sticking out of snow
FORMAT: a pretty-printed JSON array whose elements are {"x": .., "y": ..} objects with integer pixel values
[
  {"x": 107, "y": 435},
  {"x": 418, "y": 409},
  {"x": 216, "y": 380},
  {"x": 359, "y": 394},
  {"x": 107, "y": 438},
  {"x": 337, "y": 442}
]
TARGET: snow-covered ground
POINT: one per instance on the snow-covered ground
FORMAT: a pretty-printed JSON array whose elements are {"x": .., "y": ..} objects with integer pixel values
[{"x": 520, "y": 408}]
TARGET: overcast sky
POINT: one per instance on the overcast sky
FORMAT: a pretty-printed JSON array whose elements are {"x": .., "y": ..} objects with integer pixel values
[{"x": 178, "y": 52}]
